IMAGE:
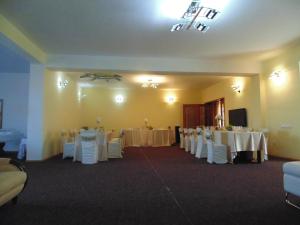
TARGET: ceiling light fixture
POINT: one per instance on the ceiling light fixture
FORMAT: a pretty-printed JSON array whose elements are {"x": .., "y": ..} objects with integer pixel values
[
  {"x": 119, "y": 99},
  {"x": 236, "y": 88},
  {"x": 100, "y": 76},
  {"x": 62, "y": 83},
  {"x": 278, "y": 77},
  {"x": 149, "y": 83},
  {"x": 177, "y": 27},
  {"x": 170, "y": 99},
  {"x": 211, "y": 14},
  {"x": 202, "y": 27},
  {"x": 194, "y": 12}
]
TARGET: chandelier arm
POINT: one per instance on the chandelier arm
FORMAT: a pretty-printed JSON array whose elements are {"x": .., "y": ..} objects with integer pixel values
[{"x": 194, "y": 18}]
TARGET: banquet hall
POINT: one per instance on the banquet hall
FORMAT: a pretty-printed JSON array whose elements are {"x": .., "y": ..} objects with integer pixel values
[{"x": 150, "y": 112}]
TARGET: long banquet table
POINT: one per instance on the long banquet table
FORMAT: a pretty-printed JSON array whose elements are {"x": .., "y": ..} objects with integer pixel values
[
  {"x": 238, "y": 141},
  {"x": 146, "y": 137}
]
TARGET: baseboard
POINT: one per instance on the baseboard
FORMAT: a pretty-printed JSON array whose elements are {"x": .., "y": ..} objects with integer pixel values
[{"x": 282, "y": 158}]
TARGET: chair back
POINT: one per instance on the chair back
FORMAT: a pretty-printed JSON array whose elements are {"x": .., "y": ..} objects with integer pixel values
[
  {"x": 181, "y": 137},
  {"x": 201, "y": 150},
  {"x": 89, "y": 148},
  {"x": 209, "y": 150},
  {"x": 187, "y": 143},
  {"x": 102, "y": 146}
]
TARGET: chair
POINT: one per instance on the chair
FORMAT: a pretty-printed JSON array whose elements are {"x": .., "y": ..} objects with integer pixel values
[
  {"x": 216, "y": 153},
  {"x": 291, "y": 181},
  {"x": 68, "y": 144},
  {"x": 186, "y": 139},
  {"x": 114, "y": 148},
  {"x": 13, "y": 179},
  {"x": 89, "y": 148},
  {"x": 122, "y": 137},
  {"x": 101, "y": 140},
  {"x": 77, "y": 149},
  {"x": 181, "y": 137},
  {"x": 192, "y": 141},
  {"x": 201, "y": 149}
]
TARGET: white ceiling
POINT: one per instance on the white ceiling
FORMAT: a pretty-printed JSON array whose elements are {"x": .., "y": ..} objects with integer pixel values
[{"x": 138, "y": 28}]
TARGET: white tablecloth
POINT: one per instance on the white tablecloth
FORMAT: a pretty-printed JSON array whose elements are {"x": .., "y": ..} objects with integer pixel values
[
  {"x": 22, "y": 148},
  {"x": 145, "y": 137},
  {"x": 238, "y": 141},
  {"x": 10, "y": 135},
  {"x": 11, "y": 138}
]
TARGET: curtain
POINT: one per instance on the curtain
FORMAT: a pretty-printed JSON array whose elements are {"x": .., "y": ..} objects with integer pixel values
[{"x": 212, "y": 109}]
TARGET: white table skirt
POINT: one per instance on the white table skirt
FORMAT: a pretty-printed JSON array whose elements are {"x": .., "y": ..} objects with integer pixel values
[
  {"x": 238, "y": 141},
  {"x": 145, "y": 137}
]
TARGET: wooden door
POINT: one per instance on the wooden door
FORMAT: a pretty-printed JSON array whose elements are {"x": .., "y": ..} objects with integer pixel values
[{"x": 193, "y": 115}]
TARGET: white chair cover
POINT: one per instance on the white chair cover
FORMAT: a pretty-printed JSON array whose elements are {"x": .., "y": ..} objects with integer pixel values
[
  {"x": 186, "y": 140},
  {"x": 181, "y": 137},
  {"x": 122, "y": 137},
  {"x": 77, "y": 149},
  {"x": 192, "y": 141},
  {"x": 216, "y": 153},
  {"x": 265, "y": 140},
  {"x": 102, "y": 146},
  {"x": 67, "y": 144},
  {"x": 201, "y": 150},
  {"x": 114, "y": 147},
  {"x": 89, "y": 148}
]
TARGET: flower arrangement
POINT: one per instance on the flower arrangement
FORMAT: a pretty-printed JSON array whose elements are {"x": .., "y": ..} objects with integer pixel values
[
  {"x": 229, "y": 128},
  {"x": 199, "y": 132},
  {"x": 98, "y": 120},
  {"x": 218, "y": 117},
  {"x": 146, "y": 121},
  {"x": 208, "y": 134}
]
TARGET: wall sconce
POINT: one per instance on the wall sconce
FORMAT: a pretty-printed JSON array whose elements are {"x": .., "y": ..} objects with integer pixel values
[
  {"x": 62, "y": 84},
  {"x": 119, "y": 99},
  {"x": 236, "y": 88},
  {"x": 277, "y": 77},
  {"x": 170, "y": 99}
]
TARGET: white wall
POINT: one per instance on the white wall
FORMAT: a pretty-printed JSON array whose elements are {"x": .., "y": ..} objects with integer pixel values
[
  {"x": 35, "y": 124},
  {"x": 14, "y": 89}
]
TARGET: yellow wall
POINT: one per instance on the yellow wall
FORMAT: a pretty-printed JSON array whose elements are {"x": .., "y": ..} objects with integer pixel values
[
  {"x": 61, "y": 111},
  {"x": 282, "y": 103},
  {"x": 139, "y": 104},
  {"x": 249, "y": 97}
]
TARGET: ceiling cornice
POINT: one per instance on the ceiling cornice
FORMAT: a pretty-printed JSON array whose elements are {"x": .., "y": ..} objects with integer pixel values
[
  {"x": 177, "y": 65},
  {"x": 12, "y": 33}
]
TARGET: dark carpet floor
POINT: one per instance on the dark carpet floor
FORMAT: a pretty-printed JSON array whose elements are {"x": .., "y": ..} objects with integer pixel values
[{"x": 159, "y": 186}]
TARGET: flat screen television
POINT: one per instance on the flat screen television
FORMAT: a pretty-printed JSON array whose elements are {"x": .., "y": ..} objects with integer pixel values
[{"x": 238, "y": 117}]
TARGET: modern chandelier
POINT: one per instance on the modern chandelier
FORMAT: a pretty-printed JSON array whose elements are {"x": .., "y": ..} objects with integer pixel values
[
  {"x": 190, "y": 18},
  {"x": 101, "y": 76},
  {"x": 150, "y": 83}
]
